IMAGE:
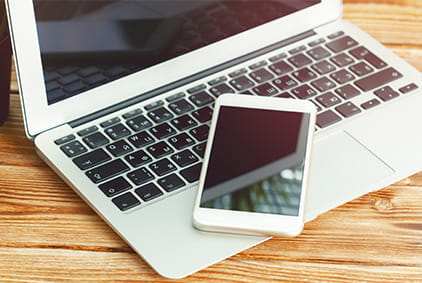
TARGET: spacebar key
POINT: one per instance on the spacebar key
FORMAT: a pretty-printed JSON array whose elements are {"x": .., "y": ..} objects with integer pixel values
[
  {"x": 107, "y": 171},
  {"x": 378, "y": 79}
]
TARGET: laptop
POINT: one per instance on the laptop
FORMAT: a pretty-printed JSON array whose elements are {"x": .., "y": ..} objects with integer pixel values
[{"x": 117, "y": 97}]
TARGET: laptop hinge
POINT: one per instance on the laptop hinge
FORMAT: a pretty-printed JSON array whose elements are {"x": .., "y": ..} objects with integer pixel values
[{"x": 187, "y": 80}]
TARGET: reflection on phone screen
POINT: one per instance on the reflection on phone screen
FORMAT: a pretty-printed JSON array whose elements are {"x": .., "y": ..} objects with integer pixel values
[{"x": 256, "y": 161}]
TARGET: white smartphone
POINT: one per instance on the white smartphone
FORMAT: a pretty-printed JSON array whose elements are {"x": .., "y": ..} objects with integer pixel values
[{"x": 256, "y": 162}]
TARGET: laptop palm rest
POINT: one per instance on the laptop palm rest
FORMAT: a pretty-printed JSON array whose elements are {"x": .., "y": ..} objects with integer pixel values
[{"x": 342, "y": 169}]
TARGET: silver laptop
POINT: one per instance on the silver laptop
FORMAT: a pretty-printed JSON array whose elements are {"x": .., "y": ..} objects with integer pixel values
[{"x": 117, "y": 96}]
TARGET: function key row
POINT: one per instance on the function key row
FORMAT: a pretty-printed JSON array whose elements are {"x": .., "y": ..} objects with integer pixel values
[{"x": 348, "y": 109}]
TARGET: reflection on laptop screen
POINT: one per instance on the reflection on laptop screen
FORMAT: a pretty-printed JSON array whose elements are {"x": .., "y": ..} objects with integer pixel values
[{"x": 85, "y": 44}]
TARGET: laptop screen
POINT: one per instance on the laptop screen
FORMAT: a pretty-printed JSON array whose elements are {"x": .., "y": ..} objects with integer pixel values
[{"x": 85, "y": 44}]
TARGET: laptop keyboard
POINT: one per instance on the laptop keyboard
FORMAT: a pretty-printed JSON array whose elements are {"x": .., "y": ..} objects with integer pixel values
[{"x": 149, "y": 152}]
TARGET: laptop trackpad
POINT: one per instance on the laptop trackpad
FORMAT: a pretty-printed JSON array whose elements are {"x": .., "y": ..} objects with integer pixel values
[{"x": 341, "y": 170}]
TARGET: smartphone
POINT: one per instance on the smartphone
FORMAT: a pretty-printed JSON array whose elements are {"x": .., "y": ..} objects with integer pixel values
[{"x": 256, "y": 163}]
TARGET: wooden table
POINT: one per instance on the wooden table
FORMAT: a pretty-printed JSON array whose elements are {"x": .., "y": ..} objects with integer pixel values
[{"x": 47, "y": 233}]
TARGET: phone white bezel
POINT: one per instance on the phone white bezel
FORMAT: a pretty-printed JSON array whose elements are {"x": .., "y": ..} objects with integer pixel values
[
  {"x": 39, "y": 116},
  {"x": 220, "y": 220}
]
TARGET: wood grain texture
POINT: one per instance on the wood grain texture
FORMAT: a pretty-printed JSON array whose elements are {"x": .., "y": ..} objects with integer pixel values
[{"x": 48, "y": 234}]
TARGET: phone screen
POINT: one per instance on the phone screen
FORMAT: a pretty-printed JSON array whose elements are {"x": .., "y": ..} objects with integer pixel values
[{"x": 256, "y": 162}]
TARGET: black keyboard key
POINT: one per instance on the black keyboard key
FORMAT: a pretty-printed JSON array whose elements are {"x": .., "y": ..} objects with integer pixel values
[
  {"x": 91, "y": 159},
  {"x": 153, "y": 105},
  {"x": 316, "y": 42},
  {"x": 181, "y": 141},
  {"x": 162, "y": 167},
  {"x": 348, "y": 109},
  {"x": 261, "y": 76},
  {"x": 160, "y": 149},
  {"x": 110, "y": 122},
  {"x": 200, "y": 133},
  {"x": 265, "y": 89},
  {"x": 304, "y": 92},
  {"x": 241, "y": 83},
  {"x": 378, "y": 79},
  {"x": 369, "y": 104},
  {"x": 132, "y": 113},
  {"x": 141, "y": 139},
  {"x": 119, "y": 148},
  {"x": 386, "y": 93},
  {"x": 341, "y": 44},
  {"x": 200, "y": 149},
  {"x": 203, "y": 115},
  {"x": 175, "y": 96},
  {"x": 184, "y": 122},
  {"x": 138, "y": 158},
  {"x": 285, "y": 82},
  {"x": 221, "y": 89},
  {"x": 107, "y": 171},
  {"x": 217, "y": 81},
  {"x": 278, "y": 57},
  {"x": 361, "y": 69},
  {"x": 163, "y": 130},
  {"x": 285, "y": 95},
  {"x": 64, "y": 139},
  {"x": 300, "y": 60},
  {"x": 197, "y": 88},
  {"x": 408, "y": 88},
  {"x": 87, "y": 131},
  {"x": 342, "y": 60},
  {"x": 171, "y": 182},
  {"x": 148, "y": 192},
  {"x": 323, "y": 84},
  {"x": 258, "y": 65},
  {"x": 95, "y": 140},
  {"x": 191, "y": 174},
  {"x": 328, "y": 99},
  {"x": 73, "y": 148},
  {"x": 297, "y": 49},
  {"x": 160, "y": 115},
  {"x": 304, "y": 75},
  {"x": 180, "y": 107},
  {"x": 347, "y": 91},
  {"x": 364, "y": 54},
  {"x": 327, "y": 118},
  {"x": 140, "y": 176},
  {"x": 335, "y": 35},
  {"x": 115, "y": 187},
  {"x": 201, "y": 98},
  {"x": 184, "y": 158},
  {"x": 323, "y": 67},
  {"x": 342, "y": 76},
  {"x": 139, "y": 123},
  {"x": 117, "y": 131},
  {"x": 238, "y": 73},
  {"x": 281, "y": 68},
  {"x": 318, "y": 53},
  {"x": 126, "y": 201}
]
